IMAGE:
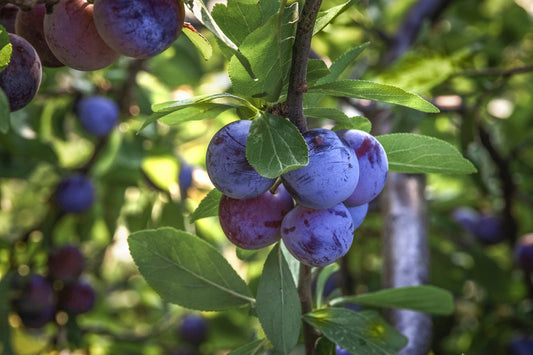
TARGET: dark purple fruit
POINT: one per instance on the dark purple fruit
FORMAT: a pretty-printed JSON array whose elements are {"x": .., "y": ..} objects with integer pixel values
[
  {"x": 65, "y": 264},
  {"x": 35, "y": 300},
  {"x": 8, "y": 14},
  {"x": 193, "y": 329},
  {"x": 524, "y": 252},
  {"x": 77, "y": 298},
  {"x": 75, "y": 193}
]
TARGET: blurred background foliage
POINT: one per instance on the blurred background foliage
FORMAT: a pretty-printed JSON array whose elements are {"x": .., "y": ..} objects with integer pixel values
[{"x": 464, "y": 62}]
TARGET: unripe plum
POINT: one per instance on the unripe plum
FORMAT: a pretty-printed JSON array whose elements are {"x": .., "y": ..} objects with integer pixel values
[
  {"x": 65, "y": 264},
  {"x": 524, "y": 252},
  {"x": 318, "y": 237},
  {"x": 30, "y": 25},
  {"x": 228, "y": 167},
  {"x": 256, "y": 222},
  {"x": 193, "y": 329},
  {"x": 358, "y": 214},
  {"x": 97, "y": 114},
  {"x": 77, "y": 298},
  {"x": 21, "y": 79},
  {"x": 75, "y": 193},
  {"x": 71, "y": 35},
  {"x": 139, "y": 28},
  {"x": 36, "y": 300},
  {"x": 373, "y": 166},
  {"x": 8, "y": 14},
  {"x": 331, "y": 175}
]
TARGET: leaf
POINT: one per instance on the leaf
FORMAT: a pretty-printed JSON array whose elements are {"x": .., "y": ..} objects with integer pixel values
[
  {"x": 321, "y": 282},
  {"x": 316, "y": 69},
  {"x": 345, "y": 122},
  {"x": 5, "y": 48},
  {"x": 428, "y": 299},
  {"x": 413, "y": 153},
  {"x": 275, "y": 146},
  {"x": 169, "y": 106},
  {"x": 162, "y": 170},
  {"x": 325, "y": 347},
  {"x": 186, "y": 270},
  {"x": 200, "y": 42},
  {"x": 278, "y": 303},
  {"x": 362, "y": 89},
  {"x": 252, "y": 348},
  {"x": 342, "y": 63},
  {"x": 5, "y": 328},
  {"x": 208, "y": 207},
  {"x": 325, "y": 17},
  {"x": 361, "y": 333},
  {"x": 5, "y": 112},
  {"x": 294, "y": 264}
]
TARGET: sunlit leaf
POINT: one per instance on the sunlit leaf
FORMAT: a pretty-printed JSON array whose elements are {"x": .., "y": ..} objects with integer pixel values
[{"x": 208, "y": 207}]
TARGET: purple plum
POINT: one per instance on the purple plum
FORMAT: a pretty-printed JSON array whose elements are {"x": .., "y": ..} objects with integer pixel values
[
  {"x": 65, "y": 264},
  {"x": 521, "y": 346},
  {"x": 373, "y": 166},
  {"x": 77, "y": 298},
  {"x": 185, "y": 178},
  {"x": 193, "y": 329},
  {"x": 523, "y": 252},
  {"x": 341, "y": 351},
  {"x": 8, "y": 14},
  {"x": 228, "y": 167},
  {"x": 358, "y": 214},
  {"x": 75, "y": 193},
  {"x": 331, "y": 175},
  {"x": 35, "y": 302},
  {"x": 256, "y": 222},
  {"x": 97, "y": 114},
  {"x": 487, "y": 228},
  {"x": 318, "y": 237}
]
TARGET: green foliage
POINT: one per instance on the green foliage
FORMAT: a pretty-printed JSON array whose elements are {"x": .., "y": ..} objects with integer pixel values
[
  {"x": 344, "y": 122},
  {"x": 208, "y": 207},
  {"x": 5, "y": 48},
  {"x": 200, "y": 42},
  {"x": 325, "y": 17},
  {"x": 321, "y": 282},
  {"x": 253, "y": 348},
  {"x": 5, "y": 112},
  {"x": 5, "y": 330}
]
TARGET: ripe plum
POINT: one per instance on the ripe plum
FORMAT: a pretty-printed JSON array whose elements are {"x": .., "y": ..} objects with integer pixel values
[
  {"x": 97, "y": 114},
  {"x": 75, "y": 193}
]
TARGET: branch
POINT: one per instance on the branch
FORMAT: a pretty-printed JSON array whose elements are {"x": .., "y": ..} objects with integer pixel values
[{"x": 304, "y": 291}]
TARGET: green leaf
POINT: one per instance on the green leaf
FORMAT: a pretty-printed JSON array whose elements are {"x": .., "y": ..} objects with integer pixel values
[
  {"x": 253, "y": 348},
  {"x": 186, "y": 270},
  {"x": 361, "y": 333},
  {"x": 5, "y": 328},
  {"x": 345, "y": 122},
  {"x": 200, "y": 42},
  {"x": 245, "y": 254},
  {"x": 342, "y": 63},
  {"x": 5, "y": 48},
  {"x": 294, "y": 264},
  {"x": 428, "y": 299},
  {"x": 170, "y": 106},
  {"x": 275, "y": 146},
  {"x": 414, "y": 153},
  {"x": 325, "y": 17},
  {"x": 324, "y": 346},
  {"x": 316, "y": 69},
  {"x": 208, "y": 207},
  {"x": 362, "y": 89},
  {"x": 325, "y": 273},
  {"x": 278, "y": 304},
  {"x": 5, "y": 112}
]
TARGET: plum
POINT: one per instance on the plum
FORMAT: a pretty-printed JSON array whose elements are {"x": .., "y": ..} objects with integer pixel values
[
  {"x": 373, "y": 166},
  {"x": 30, "y": 26},
  {"x": 35, "y": 302},
  {"x": 8, "y": 14},
  {"x": 77, "y": 298},
  {"x": 21, "y": 79},
  {"x": 256, "y": 222},
  {"x": 139, "y": 28},
  {"x": 228, "y": 167},
  {"x": 523, "y": 252},
  {"x": 97, "y": 114},
  {"x": 71, "y": 35},
  {"x": 331, "y": 175},
  {"x": 193, "y": 329},
  {"x": 521, "y": 346},
  {"x": 358, "y": 214},
  {"x": 317, "y": 237},
  {"x": 341, "y": 351},
  {"x": 65, "y": 263},
  {"x": 75, "y": 193},
  {"x": 487, "y": 228},
  {"x": 185, "y": 178}
]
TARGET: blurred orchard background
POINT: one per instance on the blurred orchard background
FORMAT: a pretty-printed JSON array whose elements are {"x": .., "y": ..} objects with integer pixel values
[{"x": 472, "y": 59}]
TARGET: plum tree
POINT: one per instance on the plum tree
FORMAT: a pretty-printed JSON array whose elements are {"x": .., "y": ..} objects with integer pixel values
[
  {"x": 65, "y": 263},
  {"x": 76, "y": 298},
  {"x": 8, "y": 15},
  {"x": 97, "y": 114},
  {"x": 71, "y": 35},
  {"x": 317, "y": 237},
  {"x": 75, "y": 193},
  {"x": 358, "y": 214},
  {"x": 373, "y": 164},
  {"x": 256, "y": 222},
  {"x": 523, "y": 252},
  {"x": 21, "y": 79},
  {"x": 35, "y": 302},
  {"x": 30, "y": 26},
  {"x": 227, "y": 166},
  {"x": 331, "y": 175},
  {"x": 139, "y": 28},
  {"x": 193, "y": 329}
]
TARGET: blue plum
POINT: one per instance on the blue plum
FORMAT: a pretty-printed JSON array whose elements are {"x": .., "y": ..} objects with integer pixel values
[
  {"x": 75, "y": 193},
  {"x": 331, "y": 175},
  {"x": 228, "y": 167},
  {"x": 523, "y": 252},
  {"x": 65, "y": 263},
  {"x": 139, "y": 28},
  {"x": 521, "y": 346},
  {"x": 193, "y": 329},
  {"x": 77, "y": 298},
  {"x": 467, "y": 218},
  {"x": 8, "y": 15},
  {"x": 35, "y": 302},
  {"x": 487, "y": 228},
  {"x": 21, "y": 79},
  {"x": 256, "y": 222},
  {"x": 185, "y": 178},
  {"x": 373, "y": 166},
  {"x": 341, "y": 351},
  {"x": 358, "y": 214},
  {"x": 317, "y": 237},
  {"x": 97, "y": 114}
]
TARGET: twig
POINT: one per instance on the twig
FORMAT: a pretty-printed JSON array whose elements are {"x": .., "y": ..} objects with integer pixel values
[{"x": 304, "y": 291}]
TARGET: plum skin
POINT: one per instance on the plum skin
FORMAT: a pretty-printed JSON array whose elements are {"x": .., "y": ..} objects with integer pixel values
[
  {"x": 71, "y": 35},
  {"x": 227, "y": 166},
  {"x": 75, "y": 193},
  {"x": 97, "y": 114},
  {"x": 30, "y": 25},
  {"x": 254, "y": 223},
  {"x": 21, "y": 79},
  {"x": 317, "y": 237},
  {"x": 77, "y": 298},
  {"x": 358, "y": 214},
  {"x": 65, "y": 264},
  {"x": 139, "y": 28},
  {"x": 36, "y": 301},
  {"x": 373, "y": 166},
  {"x": 331, "y": 175},
  {"x": 193, "y": 329}
]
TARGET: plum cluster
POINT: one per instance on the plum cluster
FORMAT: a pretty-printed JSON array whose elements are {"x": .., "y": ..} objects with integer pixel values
[
  {"x": 83, "y": 36},
  {"x": 314, "y": 209},
  {"x": 38, "y": 298}
]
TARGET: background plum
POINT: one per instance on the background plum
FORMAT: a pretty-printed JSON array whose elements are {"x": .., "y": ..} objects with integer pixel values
[
  {"x": 77, "y": 298},
  {"x": 228, "y": 167},
  {"x": 65, "y": 263},
  {"x": 36, "y": 300},
  {"x": 139, "y": 28},
  {"x": 341, "y": 351},
  {"x": 358, "y": 214},
  {"x": 185, "y": 178},
  {"x": 75, "y": 193},
  {"x": 524, "y": 252},
  {"x": 331, "y": 175},
  {"x": 521, "y": 346},
  {"x": 487, "y": 228},
  {"x": 30, "y": 26},
  {"x": 21, "y": 79},
  {"x": 193, "y": 329},
  {"x": 373, "y": 166},
  {"x": 71, "y": 35},
  {"x": 254, "y": 223},
  {"x": 8, "y": 15},
  {"x": 317, "y": 237},
  {"x": 97, "y": 114}
]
